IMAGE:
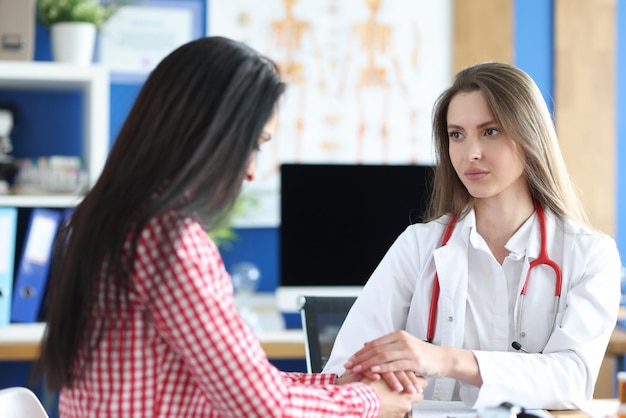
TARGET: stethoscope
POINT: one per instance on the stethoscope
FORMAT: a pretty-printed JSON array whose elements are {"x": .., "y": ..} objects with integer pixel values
[{"x": 542, "y": 259}]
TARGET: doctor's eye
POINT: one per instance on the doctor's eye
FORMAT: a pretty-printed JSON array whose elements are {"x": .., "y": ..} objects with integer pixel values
[
  {"x": 492, "y": 131},
  {"x": 455, "y": 135}
]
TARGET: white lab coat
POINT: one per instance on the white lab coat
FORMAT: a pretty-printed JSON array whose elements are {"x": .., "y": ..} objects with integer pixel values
[{"x": 397, "y": 296}]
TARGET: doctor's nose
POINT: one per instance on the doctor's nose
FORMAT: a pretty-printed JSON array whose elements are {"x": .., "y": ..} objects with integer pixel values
[{"x": 474, "y": 150}]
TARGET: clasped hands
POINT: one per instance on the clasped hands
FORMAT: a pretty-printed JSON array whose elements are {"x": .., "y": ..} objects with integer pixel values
[{"x": 400, "y": 359}]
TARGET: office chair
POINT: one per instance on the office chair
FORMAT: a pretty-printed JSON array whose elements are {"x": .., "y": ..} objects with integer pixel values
[
  {"x": 322, "y": 316},
  {"x": 20, "y": 402}
]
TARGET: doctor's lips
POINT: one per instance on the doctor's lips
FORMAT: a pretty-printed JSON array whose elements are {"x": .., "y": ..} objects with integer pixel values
[{"x": 474, "y": 174}]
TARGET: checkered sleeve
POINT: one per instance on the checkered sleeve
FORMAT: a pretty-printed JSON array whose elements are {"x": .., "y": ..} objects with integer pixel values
[
  {"x": 181, "y": 276},
  {"x": 311, "y": 378}
]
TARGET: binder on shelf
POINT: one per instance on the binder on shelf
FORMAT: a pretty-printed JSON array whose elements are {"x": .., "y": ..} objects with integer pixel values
[
  {"x": 17, "y": 30},
  {"x": 32, "y": 272},
  {"x": 67, "y": 213},
  {"x": 8, "y": 230},
  {"x": 43, "y": 311}
]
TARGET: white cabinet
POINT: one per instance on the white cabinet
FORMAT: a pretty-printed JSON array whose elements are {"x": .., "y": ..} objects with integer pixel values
[{"x": 93, "y": 82}]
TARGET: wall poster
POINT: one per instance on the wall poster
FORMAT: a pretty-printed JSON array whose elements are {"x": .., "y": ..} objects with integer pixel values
[
  {"x": 137, "y": 37},
  {"x": 363, "y": 76}
]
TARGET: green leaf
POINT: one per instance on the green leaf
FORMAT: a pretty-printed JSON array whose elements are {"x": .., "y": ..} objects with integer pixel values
[
  {"x": 50, "y": 12},
  {"x": 223, "y": 235}
]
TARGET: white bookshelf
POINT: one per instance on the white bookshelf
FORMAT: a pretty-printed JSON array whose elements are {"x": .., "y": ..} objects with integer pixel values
[
  {"x": 40, "y": 201},
  {"x": 93, "y": 82}
]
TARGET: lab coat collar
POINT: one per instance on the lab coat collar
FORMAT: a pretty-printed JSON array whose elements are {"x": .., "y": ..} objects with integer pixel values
[
  {"x": 451, "y": 259},
  {"x": 451, "y": 267},
  {"x": 533, "y": 246}
]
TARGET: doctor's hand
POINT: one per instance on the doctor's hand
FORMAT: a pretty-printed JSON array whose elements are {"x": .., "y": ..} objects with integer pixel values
[
  {"x": 394, "y": 404},
  {"x": 398, "y": 355},
  {"x": 395, "y": 357}
]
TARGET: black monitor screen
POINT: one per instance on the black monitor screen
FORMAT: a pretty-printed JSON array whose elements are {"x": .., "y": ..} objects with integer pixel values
[{"x": 337, "y": 221}]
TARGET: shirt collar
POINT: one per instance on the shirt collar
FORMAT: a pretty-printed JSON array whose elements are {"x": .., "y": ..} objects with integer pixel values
[{"x": 516, "y": 245}]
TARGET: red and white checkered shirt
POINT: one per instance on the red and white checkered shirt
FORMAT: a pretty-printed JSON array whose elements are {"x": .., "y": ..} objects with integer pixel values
[{"x": 183, "y": 350}]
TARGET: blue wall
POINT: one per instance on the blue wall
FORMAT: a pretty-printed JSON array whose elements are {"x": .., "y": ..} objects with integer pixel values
[
  {"x": 533, "y": 23},
  {"x": 620, "y": 117},
  {"x": 255, "y": 245},
  {"x": 533, "y": 37},
  {"x": 533, "y": 52}
]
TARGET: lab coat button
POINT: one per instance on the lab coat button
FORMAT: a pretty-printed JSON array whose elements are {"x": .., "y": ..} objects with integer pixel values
[
  {"x": 450, "y": 319},
  {"x": 522, "y": 334}
]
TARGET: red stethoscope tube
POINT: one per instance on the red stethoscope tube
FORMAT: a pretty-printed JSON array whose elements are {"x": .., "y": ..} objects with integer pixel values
[{"x": 542, "y": 259}]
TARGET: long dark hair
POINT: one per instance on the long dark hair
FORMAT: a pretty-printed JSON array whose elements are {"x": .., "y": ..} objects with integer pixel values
[{"x": 185, "y": 146}]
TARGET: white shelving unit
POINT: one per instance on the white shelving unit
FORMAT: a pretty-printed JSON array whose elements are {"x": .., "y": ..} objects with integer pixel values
[{"x": 93, "y": 82}]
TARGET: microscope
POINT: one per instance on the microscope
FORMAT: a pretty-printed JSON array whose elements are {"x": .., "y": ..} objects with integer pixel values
[{"x": 8, "y": 168}]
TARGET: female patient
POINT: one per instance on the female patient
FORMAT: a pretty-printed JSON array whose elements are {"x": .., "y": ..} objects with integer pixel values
[
  {"x": 502, "y": 205},
  {"x": 141, "y": 320}
]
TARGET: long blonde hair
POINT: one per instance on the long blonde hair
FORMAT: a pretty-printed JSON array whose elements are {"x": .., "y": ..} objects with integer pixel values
[{"x": 522, "y": 114}]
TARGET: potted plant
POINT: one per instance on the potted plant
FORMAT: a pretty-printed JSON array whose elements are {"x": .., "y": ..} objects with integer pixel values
[
  {"x": 73, "y": 25},
  {"x": 223, "y": 234}
]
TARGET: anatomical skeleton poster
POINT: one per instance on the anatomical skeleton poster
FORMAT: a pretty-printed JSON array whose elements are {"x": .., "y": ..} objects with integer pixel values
[{"x": 363, "y": 76}]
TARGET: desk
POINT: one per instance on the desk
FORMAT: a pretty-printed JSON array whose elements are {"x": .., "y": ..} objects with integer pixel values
[
  {"x": 20, "y": 342},
  {"x": 591, "y": 408},
  {"x": 613, "y": 361},
  {"x": 617, "y": 346},
  {"x": 574, "y": 413}
]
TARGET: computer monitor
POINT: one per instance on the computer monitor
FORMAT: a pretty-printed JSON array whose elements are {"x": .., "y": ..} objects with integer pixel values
[{"x": 338, "y": 221}]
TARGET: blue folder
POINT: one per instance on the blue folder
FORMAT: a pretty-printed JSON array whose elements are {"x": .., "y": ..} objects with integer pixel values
[
  {"x": 32, "y": 272},
  {"x": 8, "y": 226}
]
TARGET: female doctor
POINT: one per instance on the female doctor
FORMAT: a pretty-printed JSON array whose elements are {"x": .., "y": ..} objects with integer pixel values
[{"x": 506, "y": 259}]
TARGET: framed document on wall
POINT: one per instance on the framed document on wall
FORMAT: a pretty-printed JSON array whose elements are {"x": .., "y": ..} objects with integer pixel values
[{"x": 137, "y": 37}]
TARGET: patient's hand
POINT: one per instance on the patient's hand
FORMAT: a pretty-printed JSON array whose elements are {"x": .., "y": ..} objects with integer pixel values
[
  {"x": 348, "y": 377},
  {"x": 394, "y": 404}
]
